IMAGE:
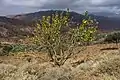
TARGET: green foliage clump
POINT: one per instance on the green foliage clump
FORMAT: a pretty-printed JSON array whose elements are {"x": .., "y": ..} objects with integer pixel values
[
  {"x": 13, "y": 48},
  {"x": 58, "y": 43},
  {"x": 113, "y": 37}
]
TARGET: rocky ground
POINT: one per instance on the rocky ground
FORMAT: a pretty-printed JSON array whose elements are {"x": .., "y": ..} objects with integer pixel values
[{"x": 96, "y": 62}]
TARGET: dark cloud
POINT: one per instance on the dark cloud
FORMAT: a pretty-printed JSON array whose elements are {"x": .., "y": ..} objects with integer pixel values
[{"x": 21, "y": 6}]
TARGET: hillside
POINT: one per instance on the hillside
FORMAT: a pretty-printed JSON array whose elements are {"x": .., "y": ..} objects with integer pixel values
[
  {"x": 105, "y": 23},
  {"x": 13, "y": 28},
  {"x": 21, "y": 25}
]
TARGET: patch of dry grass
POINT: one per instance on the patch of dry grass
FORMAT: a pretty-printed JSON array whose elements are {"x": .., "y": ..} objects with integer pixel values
[{"x": 88, "y": 65}]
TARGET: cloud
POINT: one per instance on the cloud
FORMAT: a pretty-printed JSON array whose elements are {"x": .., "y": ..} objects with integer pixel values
[
  {"x": 21, "y": 6},
  {"x": 27, "y": 3}
]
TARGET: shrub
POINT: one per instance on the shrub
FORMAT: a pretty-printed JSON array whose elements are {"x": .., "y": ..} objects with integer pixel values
[
  {"x": 59, "y": 44},
  {"x": 5, "y": 49},
  {"x": 13, "y": 48},
  {"x": 113, "y": 37}
]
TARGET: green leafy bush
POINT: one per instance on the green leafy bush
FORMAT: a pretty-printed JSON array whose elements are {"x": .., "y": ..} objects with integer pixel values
[
  {"x": 113, "y": 37},
  {"x": 59, "y": 44},
  {"x": 13, "y": 48}
]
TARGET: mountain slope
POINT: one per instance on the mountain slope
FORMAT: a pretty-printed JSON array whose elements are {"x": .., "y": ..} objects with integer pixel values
[
  {"x": 105, "y": 23},
  {"x": 38, "y": 15},
  {"x": 22, "y": 25},
  {"x": 12, "y": 21},
  {"x": 10, "y": 27}
]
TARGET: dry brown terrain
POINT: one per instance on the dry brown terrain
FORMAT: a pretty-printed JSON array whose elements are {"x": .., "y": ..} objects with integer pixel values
[{"x": 96, "y": 62}]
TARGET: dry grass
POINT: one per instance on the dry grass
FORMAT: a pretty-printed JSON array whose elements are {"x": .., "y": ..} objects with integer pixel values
[{"x": 90, "y": 64}]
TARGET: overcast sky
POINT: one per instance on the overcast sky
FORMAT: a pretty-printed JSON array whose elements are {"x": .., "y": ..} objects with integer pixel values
[{"x": 8, "y": 7}]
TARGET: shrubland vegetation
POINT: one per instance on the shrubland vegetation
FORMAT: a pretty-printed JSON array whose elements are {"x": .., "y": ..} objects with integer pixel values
[
  {"x": 113, "y": 37},
  {"x": 108, "y": 37},
  {"x": 60, "y": 44},
  {"x": 54, "y": 35}
]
